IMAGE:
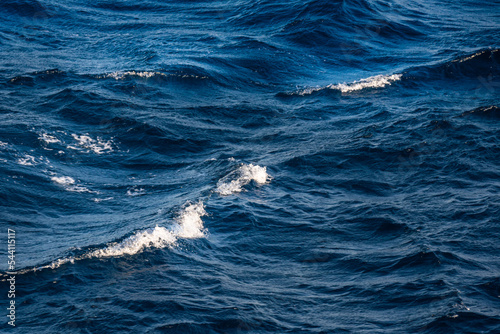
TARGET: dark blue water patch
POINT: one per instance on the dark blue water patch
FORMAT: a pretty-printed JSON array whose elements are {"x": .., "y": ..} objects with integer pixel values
[
  {"x": 126, "y": 6},
  {"x": 482, "y": 63},
  {"x": 490, "y": 288},
  {"x": 26, "y": 8},
  {"x": 471, "y": 321}
]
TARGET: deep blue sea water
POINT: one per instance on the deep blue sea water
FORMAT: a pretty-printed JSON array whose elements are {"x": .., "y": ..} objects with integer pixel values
[{"x": 246, "y": 166}]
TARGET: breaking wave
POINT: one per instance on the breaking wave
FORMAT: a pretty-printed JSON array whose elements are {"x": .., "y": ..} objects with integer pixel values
[
  {"x": 377, "y": 81},
  {"x": 187, "y": 225},
  {"x": 234, "y": 182}
]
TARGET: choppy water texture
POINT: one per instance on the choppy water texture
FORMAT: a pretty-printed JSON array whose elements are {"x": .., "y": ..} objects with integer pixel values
[{"x": 251, "y": 166}]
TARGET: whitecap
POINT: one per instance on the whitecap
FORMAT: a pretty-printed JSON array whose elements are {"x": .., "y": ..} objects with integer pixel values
[
  {"x": 157, "y": 237},
  {"x": 377, "y": 81},
  {"x": 64, "y": 180},
  {"x": 189, "y": 225},
  {"x": 189, "y": 222},
  {"x": 235, "y": 181}
]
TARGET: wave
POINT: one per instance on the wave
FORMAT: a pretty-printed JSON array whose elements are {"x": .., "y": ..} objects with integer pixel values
[
  {"x": 187, "y": 225},
  {"x": 120, "y": 75},
  {"x": 172, "y": 73},
  {"x": 482, "y": 66},
  {"x": 32, "y": 78},
  {"x": 373, "y": 82},
  {"x": 234, "y": 182},
  {"x": 325, "y": 24},
  {"x": 458, "y": 320},
  {"x": 478, "y": 65},
  {"x": 378, "y": 81}
]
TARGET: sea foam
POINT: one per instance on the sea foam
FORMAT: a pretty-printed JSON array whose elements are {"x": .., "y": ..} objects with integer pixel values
[
  {"x": 120, "y": 75},
  {"x": 27, "y": 160},
  {"x": 377, "y": 81},
  {"x": 234, "y": 182},
  {"x": 157, "y": 237}
]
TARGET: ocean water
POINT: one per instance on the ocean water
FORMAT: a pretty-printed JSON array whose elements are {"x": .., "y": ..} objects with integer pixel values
[{"x": 250, "y": 166}]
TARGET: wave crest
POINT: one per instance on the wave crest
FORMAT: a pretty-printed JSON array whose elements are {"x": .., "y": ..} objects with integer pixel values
[
  {"x": 157, "y": 237},
  {"x": 234, "y": 182},
  {"x": 377, "y": 81},
  {"x": 189, "y": 225}
]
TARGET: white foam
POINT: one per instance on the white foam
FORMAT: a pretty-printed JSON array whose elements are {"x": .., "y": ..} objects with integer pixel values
[
  {"x": 48, "y": 139},
  {"x": 98, "y": 200},
  {"x": 82, "y": 189},
  {"x": 60, "y": 262},
  {"x": 235, "y": 181},
  {"x": 377, "y": 81},
  {"x": 70, "y": 184},
  {"x": 188, "y": 224},
  {"x": 120, "y": 75},
  {"x": 158, "y": 237},
  {"x": 136, "y": 192},
  {"x": 27, "y": 160},
  {"x": 64, "y": 180},
  {"x": 98, "y": 145},
  {"x": 2, "y": 144}
]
